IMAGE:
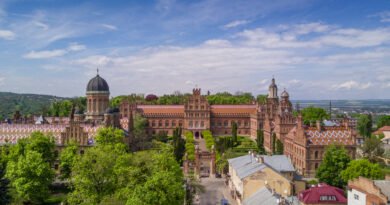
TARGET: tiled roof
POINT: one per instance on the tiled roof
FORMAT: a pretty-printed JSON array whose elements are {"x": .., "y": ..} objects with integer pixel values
[
  {"x": 329, "y": 135},
  {"x": 233, "y": 109},
  {"x": 382, "y": 129},
  {"x": 161, "y": 109},
  {"x": 323, "y": 194},
  {"x": 384, "y": 185},
  {"x": 262, "y": 197}
]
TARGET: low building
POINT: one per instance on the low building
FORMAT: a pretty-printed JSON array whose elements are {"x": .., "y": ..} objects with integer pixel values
[
  {"x": 322, "y": 194},
  {"x": 385, "y": 130},
  {"x": 251, "y": 173},
  {"x": 363, "y": 191}
]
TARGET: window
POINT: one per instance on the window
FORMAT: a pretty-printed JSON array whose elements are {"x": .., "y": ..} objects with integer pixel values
[
  {"x": 174, "y": 123},
  {"x": 246, "y": 123},
  {"x": 356, "y": 197},
  {"x": 196, "y": 124},
  {"x": 166, "y": 123},
  {"x": 160, "y": 123},
  {"x": 201, "y": 124},
  {"x": 327, "y": 198},
  {"x": 316, "y": 155},
  {"x": 226, "y": 123},
  {"x": 180, "y": 123},
  {"x": 316, "y": 166},
  {"x": 190, "y": 124},
  {"x": 153, "y": 123}
]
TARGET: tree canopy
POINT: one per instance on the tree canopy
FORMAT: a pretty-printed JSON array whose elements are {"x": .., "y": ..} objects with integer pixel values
[
  {"x": 312, "y": 114},
  {"x": 362, "y": 167},
  {"x": 335, "y": 160},
  {"x": 364, "y": 125},
  {"x": 383, "y": 120}
]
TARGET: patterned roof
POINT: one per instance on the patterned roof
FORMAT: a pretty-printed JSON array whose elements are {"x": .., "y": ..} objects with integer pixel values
[
  {"x": 12, "y": 133},
  {"x": 329, "y": 135}
]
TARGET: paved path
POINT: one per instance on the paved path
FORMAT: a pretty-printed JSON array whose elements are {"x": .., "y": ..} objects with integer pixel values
[{"x": 215, "y": 191}]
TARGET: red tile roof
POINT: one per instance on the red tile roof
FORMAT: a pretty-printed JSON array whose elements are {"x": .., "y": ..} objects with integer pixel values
[
  {"x": 330, "y": 135},
  {"x": 236, "y": 109},
  {"x": 382, "y": 129},
  {"x": 323, "y": 194}
]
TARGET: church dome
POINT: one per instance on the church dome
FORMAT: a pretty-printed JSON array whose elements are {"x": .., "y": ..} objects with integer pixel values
[
  {"x": 97, "y": 84},
  {"x": 285, "y": 94},
  {"x": 273, "y": 84}
]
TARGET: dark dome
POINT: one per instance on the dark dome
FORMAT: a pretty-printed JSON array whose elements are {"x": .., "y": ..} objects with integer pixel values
[
  {"x": 97, "y": 84},
  {"x": 285, "y": 94}
]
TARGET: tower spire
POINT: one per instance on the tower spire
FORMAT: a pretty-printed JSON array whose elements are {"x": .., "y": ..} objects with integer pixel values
[{"x": 97, "y": 71}]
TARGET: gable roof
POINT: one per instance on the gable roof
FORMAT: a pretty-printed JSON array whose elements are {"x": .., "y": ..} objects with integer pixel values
[{"x": 262, "y": 197}]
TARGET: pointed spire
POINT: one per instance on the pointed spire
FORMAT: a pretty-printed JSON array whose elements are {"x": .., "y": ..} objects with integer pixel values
[{"x": 97, "y": 71}]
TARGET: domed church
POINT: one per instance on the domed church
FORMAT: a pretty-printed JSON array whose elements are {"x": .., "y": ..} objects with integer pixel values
[{"x": 98, "y": 98}]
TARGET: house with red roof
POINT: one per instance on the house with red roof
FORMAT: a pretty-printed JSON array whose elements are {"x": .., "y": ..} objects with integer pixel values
[
  {"x": 322, "y": 194},
  {"x": 385, "y": 130}
]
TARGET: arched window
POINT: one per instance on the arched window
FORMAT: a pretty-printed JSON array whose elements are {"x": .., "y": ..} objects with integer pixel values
[
  {"x": 166, "y": 123},
  {"x": 160, "y": 123},
  {"x": 174, "y": 123},
  {"x": 190, "y": 124}
]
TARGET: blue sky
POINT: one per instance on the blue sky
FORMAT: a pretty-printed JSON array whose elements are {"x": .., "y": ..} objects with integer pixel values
[{"x": 315, "y": 49}]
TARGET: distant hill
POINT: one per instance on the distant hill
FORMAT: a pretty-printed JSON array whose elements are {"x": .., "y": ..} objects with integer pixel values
[{"x": 25, "y": 103}]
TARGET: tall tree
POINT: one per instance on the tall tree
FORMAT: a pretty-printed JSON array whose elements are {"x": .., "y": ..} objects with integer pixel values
[
  {"x": 362, "y": 167},
  {"x": 260, "y": 141},
  {"x": 373, "y": 148},
  {"x": 178, "y": 145},
  {"x": 5, "y": 197},
  {"x": 273, "y": 143},
  {"x": 30, "y": 176},
  {"x": 335, "y": 160},
  {"x": 67, "y": 159},
  {"x": 364, "y": 125},
  {"x": 141, "y": 140},
  {"x": 279, "y": 147},
  {"x": 93, "y": 175},
  {"x": 43, "y": 144},
  {"x": 234, "y": 132}
]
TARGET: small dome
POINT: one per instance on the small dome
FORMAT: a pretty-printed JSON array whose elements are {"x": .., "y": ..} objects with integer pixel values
[
  {"x": 273, "y": 84},
  {"x": 97, "y": 84},
  {"x": 285, "y": 94}
]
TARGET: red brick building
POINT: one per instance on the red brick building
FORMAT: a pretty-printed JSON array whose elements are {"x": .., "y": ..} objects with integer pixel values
[{"x": 196, "y": 114}]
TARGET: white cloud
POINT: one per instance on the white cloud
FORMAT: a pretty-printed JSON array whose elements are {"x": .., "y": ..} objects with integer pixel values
[
  {"x": 7, "y": 35},
  {"x": 54, "y": 53},
  {"x": 45, "y": 54},
  {"x": 234, "y": 24},
  {"x": 41, "y": 25},
  {"x": 351, "y": 84},
  {"x": 384, "y": 16},
  {"x": 110, "y": 27},
  {"x": 76, "y": 47}
]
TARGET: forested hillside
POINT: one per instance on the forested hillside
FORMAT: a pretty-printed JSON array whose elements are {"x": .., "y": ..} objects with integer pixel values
[{"x": 25, "y": 103}]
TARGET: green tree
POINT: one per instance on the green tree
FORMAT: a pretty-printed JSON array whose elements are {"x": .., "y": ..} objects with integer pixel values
[
  {"x": 5, "y": 197},
  {"x": 234, "y": 132},
  {"x": 279, "y": 147},
  {"x": 262, "y": 99},
  {"x": 364, "y": 125},
  {"x": 273, "y": 143},
  {"x": 373, "y": 148},
  {"x": 165, "y": 184},
  {"x": 30, "y": 176},
  {"x": 312, "y": 114},
  {"x": 141, "y": 140},
  {"x": 178, "y": 145},
  {"x": 93, "y": 174},
  {"x": 260, "y": 141},
  {"x": 335, "y": 160},
  {"x": 364, "y": 168},
  {"x": 67, "y": 158},
  {"x": 109, "y": 136},
  {"x": 43, "y": 144},
  {"x": 383, "y": 120}
]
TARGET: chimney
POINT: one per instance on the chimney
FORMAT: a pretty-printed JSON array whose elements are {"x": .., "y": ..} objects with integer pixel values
[{"x": 318, "y": 125}]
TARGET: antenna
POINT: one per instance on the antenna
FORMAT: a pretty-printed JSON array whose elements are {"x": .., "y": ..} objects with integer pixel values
[{"x": 97, "y": 70}]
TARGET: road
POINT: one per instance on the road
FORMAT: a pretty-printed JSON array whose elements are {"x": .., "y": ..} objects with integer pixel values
[{"x": 215, "y": 190}]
